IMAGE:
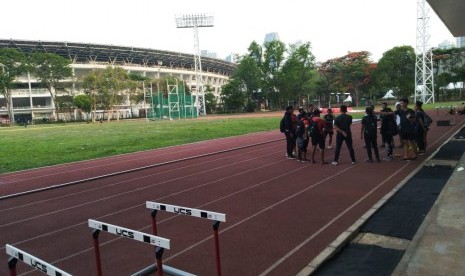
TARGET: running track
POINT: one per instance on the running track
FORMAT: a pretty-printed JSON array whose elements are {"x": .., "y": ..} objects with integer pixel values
[{"x": 280, "y": 213}]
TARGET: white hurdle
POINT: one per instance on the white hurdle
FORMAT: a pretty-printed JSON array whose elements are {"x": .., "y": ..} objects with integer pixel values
[
  {"x": 186, "y": 211},
  {"x": 42, "y": 266},
  {"x": 159, "y": 242}
]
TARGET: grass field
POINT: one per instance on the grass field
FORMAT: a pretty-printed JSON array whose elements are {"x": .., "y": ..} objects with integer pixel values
[{"x": 43, "y": 145}]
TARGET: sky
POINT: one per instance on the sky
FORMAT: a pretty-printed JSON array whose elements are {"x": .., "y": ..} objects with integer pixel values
[{"x": 333, "y": 27}]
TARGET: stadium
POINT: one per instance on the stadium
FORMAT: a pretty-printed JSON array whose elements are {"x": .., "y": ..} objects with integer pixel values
[{"x": 31, "y": 102}]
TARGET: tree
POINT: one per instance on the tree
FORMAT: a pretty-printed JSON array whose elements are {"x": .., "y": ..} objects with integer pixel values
[
  {"x": 271, "y": 67},
  {"x": 329, "y": 79},
  {"x": 91, "y": 84},
  {"x": 233, "y": 95},
  {"x": 83, "y": 102},
  {"x": 210, "y": 99},
  {"x": 298, "y": 74},
  {"x": 136, "y": 85},
  {"x": 396, "y": 71},
  {"x": 50, "y": 70},
  {"x": 113, "y": 89},
  {"x": 250, "y": 74},
  {"x": 356, "y": 73},
  {"x": 12, "y": 63},
  {"x": 106, "y": 89}
]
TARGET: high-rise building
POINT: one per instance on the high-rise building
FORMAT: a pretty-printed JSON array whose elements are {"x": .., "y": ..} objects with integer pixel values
[
  {"x": 446, "y": 44},
  {"x": 231, "y": 58},
  {"x": 206, "y": 53},
  {"x": 460, "y": 41},
  {"x": 271, "y": 37}
]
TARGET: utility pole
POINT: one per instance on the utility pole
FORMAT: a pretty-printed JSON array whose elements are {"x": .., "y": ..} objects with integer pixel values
[
  {"x": 195, "y": 21},
  {"x": 424, "y": 81}
]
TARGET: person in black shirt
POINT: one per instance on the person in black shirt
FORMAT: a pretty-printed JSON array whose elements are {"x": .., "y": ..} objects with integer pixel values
[
  {"x": 407, "y": 130},
  {"x": 369, "y": 133},
  {"x": 329, "y": 121},
  {"x": 388, "y": 129},
  {"x": 420, "y": 128},
  {"x": 289, "y": 132},
  {"x": 342, "y": 126}
]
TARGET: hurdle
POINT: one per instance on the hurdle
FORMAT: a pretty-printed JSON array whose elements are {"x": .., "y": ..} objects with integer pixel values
[
  {"x": 180, "y": 210},
  {"x": 446, "y": 115},
  {"x": 159, "y": 242},
  {"x": 42, "y": 266}
]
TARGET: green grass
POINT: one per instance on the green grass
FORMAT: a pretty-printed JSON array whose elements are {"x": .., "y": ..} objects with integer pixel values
[{"x": 43, "y": 145}]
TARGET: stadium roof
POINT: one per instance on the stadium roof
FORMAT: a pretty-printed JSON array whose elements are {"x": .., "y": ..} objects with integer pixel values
[
  {"x": 452, "y": 13},
  {"x": 120, "y": 55}
]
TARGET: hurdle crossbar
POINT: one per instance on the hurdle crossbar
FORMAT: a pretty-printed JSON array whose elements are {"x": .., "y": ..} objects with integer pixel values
[
  {"x": 40, "y": 265},
  {"x": 130, "y": 234},
  {"x": 181, "y": 210},
  {"x": 159, "y": 242},
  {"x": 186, "y": 211}
]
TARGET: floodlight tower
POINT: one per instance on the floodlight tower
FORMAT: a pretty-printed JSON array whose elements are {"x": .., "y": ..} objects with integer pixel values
[
  {"x": 195, "y": 21},
  {"x": 424, "y": 57}
]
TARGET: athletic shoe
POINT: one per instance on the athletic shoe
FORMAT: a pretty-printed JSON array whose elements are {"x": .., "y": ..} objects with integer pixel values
[
  {"x": 354, "y": 162},
  {"x": 421, "y": 152},
  {"x": 290, "y": 157},
  {"x": 329, "y": 147},
  {"x": 334, "y": 163}
]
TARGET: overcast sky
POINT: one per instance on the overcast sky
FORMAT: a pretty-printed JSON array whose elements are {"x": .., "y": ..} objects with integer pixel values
[{"x": 333, "y": 27}]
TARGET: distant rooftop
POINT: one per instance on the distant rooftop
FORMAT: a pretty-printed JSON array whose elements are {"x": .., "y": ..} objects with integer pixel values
[{"x": 120, "y": 55}]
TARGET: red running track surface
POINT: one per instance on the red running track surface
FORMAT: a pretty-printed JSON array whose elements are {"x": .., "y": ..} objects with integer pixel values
[{"x": 280, "y": 213}]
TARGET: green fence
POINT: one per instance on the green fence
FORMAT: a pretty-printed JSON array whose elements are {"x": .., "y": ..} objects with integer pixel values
[{"x": 172, "y": 105}]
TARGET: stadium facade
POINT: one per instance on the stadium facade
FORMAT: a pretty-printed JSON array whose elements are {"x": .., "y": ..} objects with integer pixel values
[{"x": 30, "y": 102}]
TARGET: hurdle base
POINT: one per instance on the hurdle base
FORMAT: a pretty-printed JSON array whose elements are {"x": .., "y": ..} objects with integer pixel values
[
  {"x": 166, "y": 269},
  {"x": 443, "y": 123}
]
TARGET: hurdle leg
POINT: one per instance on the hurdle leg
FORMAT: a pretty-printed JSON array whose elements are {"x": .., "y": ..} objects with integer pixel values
[
  {"x": 216, "y": 226},
  {"x": 12, "y": 266},
  {"x": 154, "y": 222},
  {"x": 158, "y": 255},
  {"x": 98, "y": 262}
]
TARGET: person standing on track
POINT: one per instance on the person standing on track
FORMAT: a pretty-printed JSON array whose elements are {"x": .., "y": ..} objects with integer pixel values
[
  {"x": 407, "y": 130},
  {"x": 288, "y": 130},
  {"x": 388, "y": 129},
  {"x": 420, "y": 128},
  {"x": 369, "y": 133},
  {"x": 329, "y": 121},
  {"x": 318, "y": 138},
  {"x": 302, "y": 138},
  {"x": 342, "y": 125}
]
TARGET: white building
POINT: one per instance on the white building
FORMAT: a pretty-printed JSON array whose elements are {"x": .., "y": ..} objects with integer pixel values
[
  {"x": 460, "y": 41},
  {"x": 446, "y": 44},
  {"x": 271, "y": 37},
  {"x": 32, "y": 102}
]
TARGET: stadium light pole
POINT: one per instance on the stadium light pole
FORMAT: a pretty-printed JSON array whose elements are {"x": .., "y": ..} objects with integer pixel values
[
  {"x": 424, "y": 75},
  {"x": 196, "y": 21}
]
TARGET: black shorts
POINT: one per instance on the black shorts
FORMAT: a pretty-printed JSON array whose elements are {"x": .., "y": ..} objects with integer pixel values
[
  {"x": 410, "y": 136},
  {"x": 329, "y": 131},
  {"x": 302, "y": 144},
  {"x": 318, "y": 140}
]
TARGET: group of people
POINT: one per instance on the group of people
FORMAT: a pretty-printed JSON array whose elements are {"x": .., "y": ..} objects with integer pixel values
[{"x": 308, "y": 128}]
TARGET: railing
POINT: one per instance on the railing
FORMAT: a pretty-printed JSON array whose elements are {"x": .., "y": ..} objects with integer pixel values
[{"x": 25, "y": 92}]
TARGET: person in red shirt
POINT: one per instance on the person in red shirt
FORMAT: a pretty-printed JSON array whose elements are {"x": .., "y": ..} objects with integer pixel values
[{"x": 317, "y": 136}]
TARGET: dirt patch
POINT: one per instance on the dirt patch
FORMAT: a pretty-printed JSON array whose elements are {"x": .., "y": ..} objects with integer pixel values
[{"x": 244, "y": 115}]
